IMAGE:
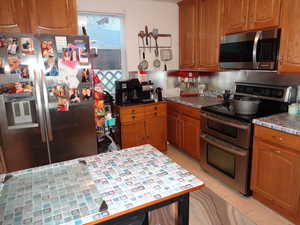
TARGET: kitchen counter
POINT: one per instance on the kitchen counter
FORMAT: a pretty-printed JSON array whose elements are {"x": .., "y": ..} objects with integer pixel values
[
  {"x": 73, "y": 192},
  {"x": 196, "y": 102},
  {"x": 283, "y": 122}
]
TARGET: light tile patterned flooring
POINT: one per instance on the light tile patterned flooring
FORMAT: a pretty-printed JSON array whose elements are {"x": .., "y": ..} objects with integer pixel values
[{"x": 253, "y": 209}]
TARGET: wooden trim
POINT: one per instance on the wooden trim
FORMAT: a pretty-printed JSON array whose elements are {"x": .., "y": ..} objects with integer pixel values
[{"x": 145, "y": 205}]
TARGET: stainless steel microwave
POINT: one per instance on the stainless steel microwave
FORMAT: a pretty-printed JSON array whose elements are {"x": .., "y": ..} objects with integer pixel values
[{"x": 250, "y": 51}]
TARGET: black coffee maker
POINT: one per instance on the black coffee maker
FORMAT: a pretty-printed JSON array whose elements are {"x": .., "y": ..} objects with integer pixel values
[{"x": 128, "y": 92}]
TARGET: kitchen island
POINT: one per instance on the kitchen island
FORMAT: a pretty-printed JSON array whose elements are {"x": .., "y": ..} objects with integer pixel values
[{"x": 101, "y": 188}]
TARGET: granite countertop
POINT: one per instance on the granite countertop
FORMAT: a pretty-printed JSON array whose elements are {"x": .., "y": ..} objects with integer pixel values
[
  {"x": 283, "y": 122},
  {"x": 73, "y": 192},
  {"x": 196, "y": 102}
]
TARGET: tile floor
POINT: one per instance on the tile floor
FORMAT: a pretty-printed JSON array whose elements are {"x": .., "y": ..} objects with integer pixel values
[{"x": 253, "y": 209}]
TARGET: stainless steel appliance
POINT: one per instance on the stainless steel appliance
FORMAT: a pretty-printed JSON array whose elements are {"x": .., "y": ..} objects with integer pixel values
[
  {"x": 39, "y": 124},
  {"x": 128, "y": 92},
  {"x": 256, "y": 50},
  {"x": 226, "y": 138},
  {"x": 147, "y": 94}
]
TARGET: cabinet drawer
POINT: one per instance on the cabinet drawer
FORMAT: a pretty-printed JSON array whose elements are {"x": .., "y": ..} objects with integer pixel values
[
  {"x": 155, "y": 114},
  {"x": 131, "y": 111},
  {"x": 277, "y": 137},
  {"x": 132, "y": 117},
  {"x": 155, "y": 108}
]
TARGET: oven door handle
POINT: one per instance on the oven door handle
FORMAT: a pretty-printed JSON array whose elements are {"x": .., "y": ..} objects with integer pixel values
[
  {"x": 254, "y": 52},
  {"x": 222, "y": 145},
  {"x": 239, "y": 126}
]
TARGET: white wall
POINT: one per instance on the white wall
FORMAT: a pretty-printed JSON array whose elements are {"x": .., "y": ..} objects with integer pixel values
[{"x": 138, "y": 13}]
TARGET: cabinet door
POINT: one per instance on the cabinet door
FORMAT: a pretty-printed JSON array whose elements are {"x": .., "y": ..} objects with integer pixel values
[
  {"x": 12, "y": 16},
  {"x": 172, "y": 127},
  {"x": 187, "y": 33},
  {"x": 209, "y": 18},
  {"x": 53, "y": 16},
  {"x": 235, "y": 16},
  {"x": 264, "y": 14},
  {"x": 133, "y": 134},
  {"x": 191, "y": 136},
  {"x": 276, "y": 176},
  {"x": 289, "y": 60},
  {"x": 156, "y": 132}
]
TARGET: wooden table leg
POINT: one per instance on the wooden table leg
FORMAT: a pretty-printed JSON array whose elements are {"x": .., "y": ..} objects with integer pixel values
[{"x": 183, "y": 209}]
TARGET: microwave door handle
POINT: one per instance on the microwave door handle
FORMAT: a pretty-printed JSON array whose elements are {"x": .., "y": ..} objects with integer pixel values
[
  {"x": 219, "y": 144},
  {"x": 254, "y": 53},
  {"x": 239, "y": 126},
  {"x": 39, "y": 106}
]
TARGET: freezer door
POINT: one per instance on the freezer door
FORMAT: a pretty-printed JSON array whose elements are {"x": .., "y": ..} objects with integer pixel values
[
  {"x": 24, "y": 142},
  {"x": 71, "y": 133}
]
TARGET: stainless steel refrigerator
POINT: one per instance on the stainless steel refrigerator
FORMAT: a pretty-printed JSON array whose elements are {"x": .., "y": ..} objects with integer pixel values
[{"x": 46, "y": 103}]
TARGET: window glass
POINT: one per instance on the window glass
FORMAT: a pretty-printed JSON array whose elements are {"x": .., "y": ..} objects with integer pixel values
[{"x": 106, "y": 37}]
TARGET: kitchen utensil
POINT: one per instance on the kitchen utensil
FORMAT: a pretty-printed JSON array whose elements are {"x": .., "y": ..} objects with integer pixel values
[
  {"x": 155, "y": 36},
  {"x": 156, "y": 63},
  {"x": 144, "y": 63},
  {"x": 147, "y": 35},
  {"x": 246, "y": 105},
  {"x": 165, "y": 56}
]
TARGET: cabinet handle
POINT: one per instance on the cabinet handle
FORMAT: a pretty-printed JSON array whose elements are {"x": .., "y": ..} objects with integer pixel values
[
  {"x": 133, "y": 117},
  {"x": 155, "y": 108},
  {"x": 133, "y": 111},
  {"x": 277, "y": 138},
  {"x": 155, "y": 114},
  {"x": 277, "y": 151}
]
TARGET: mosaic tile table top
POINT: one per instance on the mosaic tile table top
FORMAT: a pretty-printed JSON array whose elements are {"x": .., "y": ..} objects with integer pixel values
[
  {"x": 196, "y": 102},
  {"x": 283, "y": 122},
  {"x": 71, "y": 192}
]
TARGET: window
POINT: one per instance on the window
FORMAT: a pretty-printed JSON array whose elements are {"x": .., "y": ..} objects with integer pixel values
[{"x": 106, "y": 37}]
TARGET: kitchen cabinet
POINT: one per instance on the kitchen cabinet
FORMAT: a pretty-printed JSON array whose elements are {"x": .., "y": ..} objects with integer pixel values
[
  {"x": 245, "y": 15},
  {"x": 209, "y": 31},
  {"x": 12, "y": 16},
  {"x": 191, "y": 136},
  {"x": 143, "y": 124},
  {"x": 184, "y": 128},
  {"x": 275, "y": 177},
  {"x": 39, "y": 16},
  {"x": 188, "y": 32},
  {"x": 59, "y": 18},
  {"x": 289, "y": 57},
  {"x": 199, "y": 39}
]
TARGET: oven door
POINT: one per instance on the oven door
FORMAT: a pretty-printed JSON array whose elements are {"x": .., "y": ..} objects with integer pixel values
[
  {"x": 229, "y": 130},
  {"x": 225, "y": 161}
]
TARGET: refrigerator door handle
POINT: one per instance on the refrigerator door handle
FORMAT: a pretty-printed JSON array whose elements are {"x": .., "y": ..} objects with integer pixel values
[
  {"x": 46, "y": 101},
  {"x": 40, "y": 108}
]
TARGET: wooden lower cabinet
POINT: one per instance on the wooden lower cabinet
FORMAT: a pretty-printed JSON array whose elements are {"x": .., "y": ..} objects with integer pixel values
[
  {"x": 191, "y": 136},
  {"x": 184, "y": 128},
  {"x": 275, "y": 177},
  {"x": 133, "y": 134},
  {"x": 144, "y": 124}
]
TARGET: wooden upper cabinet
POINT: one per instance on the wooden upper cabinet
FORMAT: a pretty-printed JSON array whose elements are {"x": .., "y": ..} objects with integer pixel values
[
  {"x": 289, "y": 56},
  {"x": 264, "y": 14},
  {"x": 187, "y": 33},
  {"x": 209, "y": 19},
  {"x": 53, "y": 16},
  {"x": 235, "y": 16},
  {"x": 12, "y": 14}
]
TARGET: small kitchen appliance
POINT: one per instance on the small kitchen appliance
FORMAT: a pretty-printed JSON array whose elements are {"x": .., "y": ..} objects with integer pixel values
[
  {"x": 147, "y": 94},
  {"x": 129, "y": 92}
]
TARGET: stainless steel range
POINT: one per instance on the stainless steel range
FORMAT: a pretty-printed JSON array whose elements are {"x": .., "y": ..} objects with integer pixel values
[{"x": 226, "y": 138}]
